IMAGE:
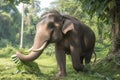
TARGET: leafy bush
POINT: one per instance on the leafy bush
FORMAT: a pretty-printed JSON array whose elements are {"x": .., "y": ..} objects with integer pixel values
[
  {"x": 49, "y": 50},
  {"x": 28, "y": 67},
  {"x": 7, "y": 51},
  {"x": 4, "y": 42}
]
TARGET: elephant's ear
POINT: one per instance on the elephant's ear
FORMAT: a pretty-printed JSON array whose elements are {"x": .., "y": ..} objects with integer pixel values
[{"x": 67, "y": 26}]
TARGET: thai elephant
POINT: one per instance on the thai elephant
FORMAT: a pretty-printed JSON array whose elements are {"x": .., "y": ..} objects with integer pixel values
[{"x": 70, "y": 37}]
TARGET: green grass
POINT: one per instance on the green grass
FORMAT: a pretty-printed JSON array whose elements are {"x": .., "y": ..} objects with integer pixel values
[
  {"x": 48, "y": 67},
  {"x": 102, "y": 70}
]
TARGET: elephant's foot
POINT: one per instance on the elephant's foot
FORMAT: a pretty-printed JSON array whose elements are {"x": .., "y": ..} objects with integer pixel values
[
  {"x": 80, "y": 68},
  {"x": 83, "y": 69},
  {"x": 61, "y": 74}
]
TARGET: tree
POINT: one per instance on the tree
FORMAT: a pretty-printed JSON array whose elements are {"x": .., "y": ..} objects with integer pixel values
[
  {"x": 22, "y": 27},
  {"x": 30, "y": 18},
  {"x": 31, "y": 10},
  {"x": 10, "y": 22},
  {"x": 109, "y": 12}
]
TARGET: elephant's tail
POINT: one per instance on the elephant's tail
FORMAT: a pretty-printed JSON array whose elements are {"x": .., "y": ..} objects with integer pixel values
[{"x": 95, "y": 56}]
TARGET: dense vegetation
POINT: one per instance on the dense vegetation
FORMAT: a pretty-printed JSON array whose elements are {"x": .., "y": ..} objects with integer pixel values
[{"x": 99, "y": 15}]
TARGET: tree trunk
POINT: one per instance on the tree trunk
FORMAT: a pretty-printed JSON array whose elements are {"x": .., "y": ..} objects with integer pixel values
[
  {"x": 116, "y": 30},
  {"x": 22, "y": 26}
]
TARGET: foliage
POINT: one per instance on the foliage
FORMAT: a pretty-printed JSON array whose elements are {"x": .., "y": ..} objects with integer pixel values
[
  {"x": 73, "y": 8},
  {"x": 109, "y": 12},
  {"x": 7, "y": 51},
  {"x": 49, "y": 50},
  {"x": 100, "y": 8},
  {"x": 107, "y": 70},
  {"x": 10, "y": 23},
  {"x": 29, "y": 33},
  {"x": 30, "y": 19},
  {"x": 18, "y": 1},
  {"x": 26, "y": 67},
  {"x": 10, "y": 19},
  {"x": 4, "y": 42},
  {"x": 31, "y": 12}
]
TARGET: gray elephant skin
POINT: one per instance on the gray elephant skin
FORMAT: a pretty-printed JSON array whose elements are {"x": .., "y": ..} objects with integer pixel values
[{"x": 70, "y": 37}]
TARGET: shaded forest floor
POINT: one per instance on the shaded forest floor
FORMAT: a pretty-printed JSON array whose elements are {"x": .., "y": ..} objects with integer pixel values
[{"x": 101, "y": 70}]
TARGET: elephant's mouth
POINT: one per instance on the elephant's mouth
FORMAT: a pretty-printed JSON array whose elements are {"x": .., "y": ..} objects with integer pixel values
[{"x": 39, "y": 49}]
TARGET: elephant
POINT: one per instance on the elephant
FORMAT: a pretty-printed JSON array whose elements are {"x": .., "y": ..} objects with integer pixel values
[{"x": 69, "y": 35}]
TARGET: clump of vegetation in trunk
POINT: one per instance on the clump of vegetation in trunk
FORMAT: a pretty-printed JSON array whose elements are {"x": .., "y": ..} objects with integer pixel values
[{"x": 26, "y": 67}]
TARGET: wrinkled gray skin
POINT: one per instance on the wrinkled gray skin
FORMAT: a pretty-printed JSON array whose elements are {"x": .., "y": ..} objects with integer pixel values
[{"x": 69, "y": 35}]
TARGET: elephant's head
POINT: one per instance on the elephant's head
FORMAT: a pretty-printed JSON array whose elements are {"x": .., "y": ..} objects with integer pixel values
[{"x": 51, "y": 28}]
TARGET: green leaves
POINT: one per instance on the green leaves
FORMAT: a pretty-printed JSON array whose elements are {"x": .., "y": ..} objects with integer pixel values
[
  {"x": 15, "y": 59},
  {"x": 111, "y": 4},
  {"x": 100, "y": 8},
  {"x": 16, "y": 2},
  {"x": 25, "y": 67}
]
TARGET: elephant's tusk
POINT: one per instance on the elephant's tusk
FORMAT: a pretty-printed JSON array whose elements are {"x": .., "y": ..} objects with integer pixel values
[
  {"x": 39, "y": 49},
  {"x": 29, "y": 50}
]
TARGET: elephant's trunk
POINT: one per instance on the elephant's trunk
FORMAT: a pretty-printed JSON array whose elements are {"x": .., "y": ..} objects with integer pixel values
[
  {"x": 34, "y": 54},
  {"x": 40, "y": 42}
]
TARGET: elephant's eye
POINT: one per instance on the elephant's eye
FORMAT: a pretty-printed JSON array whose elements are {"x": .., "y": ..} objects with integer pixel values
[{"x": 51, "y": 25}]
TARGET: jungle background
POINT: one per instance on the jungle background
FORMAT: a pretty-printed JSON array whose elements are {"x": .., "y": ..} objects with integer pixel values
[{"x": 102, "y": 16}]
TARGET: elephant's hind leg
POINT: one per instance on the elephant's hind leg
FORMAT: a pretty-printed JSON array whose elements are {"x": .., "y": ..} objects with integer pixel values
[
  {"x": 75, "y": 55},
  {"x": 81, "y": 59},
  {"x": 88, "y": 57}
]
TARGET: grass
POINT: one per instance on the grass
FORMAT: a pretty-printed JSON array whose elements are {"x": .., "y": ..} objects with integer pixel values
[
  {"x": 48, "y": 67},
  {"x": 102, "y": 70}
]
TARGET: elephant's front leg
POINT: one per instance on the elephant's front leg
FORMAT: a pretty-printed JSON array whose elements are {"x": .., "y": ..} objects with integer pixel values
[{"x": 61, "y": 60}]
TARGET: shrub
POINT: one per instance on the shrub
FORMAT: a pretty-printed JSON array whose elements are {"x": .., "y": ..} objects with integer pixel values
[
  {"x": 7, "y": 51},
  {"x": 4, "y": 42}
]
